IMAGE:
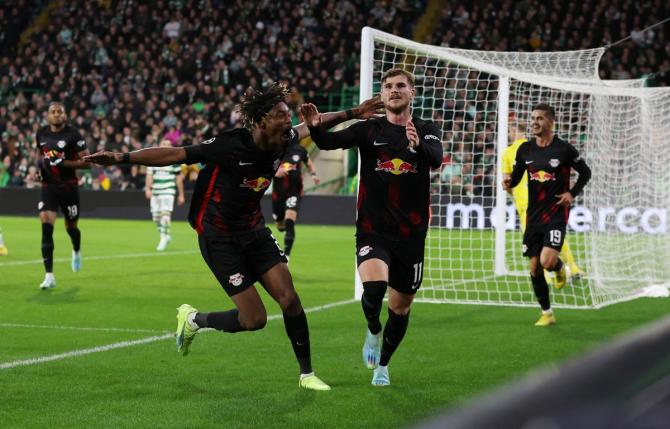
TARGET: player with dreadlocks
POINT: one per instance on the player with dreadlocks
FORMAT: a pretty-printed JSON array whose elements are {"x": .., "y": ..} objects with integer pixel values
[{"x": 225, "y": 211}]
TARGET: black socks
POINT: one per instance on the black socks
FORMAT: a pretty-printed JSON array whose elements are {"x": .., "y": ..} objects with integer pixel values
[
  {"x": 75, "y": 237},
  {"x": 48, "y": 247},
  {"x": 298, "y": 332},
  {"x": 289, "y": 235},
  {"x": 558, "y": 266},
  {"x": 373, "y": 296},
  {"x": 394, "y": 332},
  {"x": 226, "y": 321},
  {"x": 541, "y": 291}
]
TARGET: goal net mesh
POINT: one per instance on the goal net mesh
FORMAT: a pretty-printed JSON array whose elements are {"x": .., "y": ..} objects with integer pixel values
[{"x": 617, "y": 232}]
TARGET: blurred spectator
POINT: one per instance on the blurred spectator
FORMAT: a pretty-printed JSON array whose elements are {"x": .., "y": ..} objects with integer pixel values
[{"x": 131, "y": 73}]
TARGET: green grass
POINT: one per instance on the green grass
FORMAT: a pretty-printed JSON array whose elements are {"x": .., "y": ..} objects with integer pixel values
[{"x": 451, "y": 352}]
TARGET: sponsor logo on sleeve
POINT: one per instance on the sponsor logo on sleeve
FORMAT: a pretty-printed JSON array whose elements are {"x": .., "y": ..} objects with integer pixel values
[
  {"x": 209, "y": 141},
  {"x": 364, "y": 250},
  {"x": 431, "y": 137},
  {"x": 236, "y": 279}
]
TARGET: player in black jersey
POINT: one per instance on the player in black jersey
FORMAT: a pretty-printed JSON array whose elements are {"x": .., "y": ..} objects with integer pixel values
[
  {"x": 397, "y": 152},
  {"x": 225, "y": 211},
  {"x": 287, "y": 192},
  {"x": 61, "y": 148},
  {"x": 548, "y": 161}
]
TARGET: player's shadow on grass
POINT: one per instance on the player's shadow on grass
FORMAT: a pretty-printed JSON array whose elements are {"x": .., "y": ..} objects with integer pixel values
[{"x": 51, "y": 297}]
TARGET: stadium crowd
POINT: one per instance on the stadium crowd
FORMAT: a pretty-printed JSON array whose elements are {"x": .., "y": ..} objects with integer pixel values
[
  {"x": 132, "y": 73},
  {"x": 508, "y": 25}
]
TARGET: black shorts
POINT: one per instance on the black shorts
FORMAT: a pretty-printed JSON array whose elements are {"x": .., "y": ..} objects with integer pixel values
[
  {"x": 281, "y": 203},
  {"x": 404, "y": 259},
  {"x": 65, "y": 198},
  {"x": 538, "y": 236},
  {"x": 238, "y": 261}
]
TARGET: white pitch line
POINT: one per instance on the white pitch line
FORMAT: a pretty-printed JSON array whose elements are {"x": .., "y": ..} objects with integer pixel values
[
  {"x": 77, "y": 328},
  {"x": 94, "y": 258},
  {"x": 122, "y": 344},
  {"x": 83, "y": 352}
]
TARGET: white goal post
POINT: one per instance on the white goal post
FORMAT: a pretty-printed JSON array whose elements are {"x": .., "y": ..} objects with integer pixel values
[{"x": 618, "y": 229}]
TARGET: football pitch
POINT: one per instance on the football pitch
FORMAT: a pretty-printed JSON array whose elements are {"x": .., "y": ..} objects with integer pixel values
[{"x": 98, "y": 350}]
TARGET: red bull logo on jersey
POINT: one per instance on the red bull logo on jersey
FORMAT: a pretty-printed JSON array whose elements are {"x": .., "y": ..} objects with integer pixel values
[
  {"x": 257, "y": 185},
  {"x": 287, "y": 166},
  {"x": 542, "y": 176},
  {"x": 395, "y": 166}
]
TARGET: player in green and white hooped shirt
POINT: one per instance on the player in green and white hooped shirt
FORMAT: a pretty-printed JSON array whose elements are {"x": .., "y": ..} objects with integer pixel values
[{"x": 162, "y": 184}]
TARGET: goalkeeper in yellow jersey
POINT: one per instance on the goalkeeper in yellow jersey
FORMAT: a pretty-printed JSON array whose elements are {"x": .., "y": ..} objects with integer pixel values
[{"x": 520, "y": 196}]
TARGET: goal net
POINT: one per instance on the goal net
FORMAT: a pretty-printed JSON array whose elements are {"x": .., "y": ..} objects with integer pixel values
[{"x": 482, "y": 101}]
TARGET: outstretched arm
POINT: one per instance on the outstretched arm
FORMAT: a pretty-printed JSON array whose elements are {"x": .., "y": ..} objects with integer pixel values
[
  {"x": 155, "y": 157},
  {"x": 325, "y": 140},
  {"x": 365, "y": 110}
]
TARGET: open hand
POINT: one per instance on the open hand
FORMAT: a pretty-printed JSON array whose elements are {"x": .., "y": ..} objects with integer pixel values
[
  {"x": 369, "y": 108},
  {"x": 311, "y": 115},
  {"x": 565, "y": 199},
  {"x": 412, "y": 135}
]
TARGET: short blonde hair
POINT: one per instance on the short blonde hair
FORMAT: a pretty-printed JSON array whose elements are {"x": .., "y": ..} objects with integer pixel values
[{"x": 397, "y": 72}]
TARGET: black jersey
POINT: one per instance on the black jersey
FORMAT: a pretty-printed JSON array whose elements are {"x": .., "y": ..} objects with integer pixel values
[
  {"x": 394, "y": 186},
  {"x": 291, "y": 183},
  {"x": 229, "y": 189},
  {"x": 548, "y": 169},
  {"x": 66, "y": 144}
]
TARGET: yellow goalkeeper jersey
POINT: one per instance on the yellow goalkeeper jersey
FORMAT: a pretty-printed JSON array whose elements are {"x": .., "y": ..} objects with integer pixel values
[{"x": 520, "y": 192}]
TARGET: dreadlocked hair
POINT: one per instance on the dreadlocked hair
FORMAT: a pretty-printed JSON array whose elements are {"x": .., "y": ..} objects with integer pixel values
[{"x": 256, "y": 103}]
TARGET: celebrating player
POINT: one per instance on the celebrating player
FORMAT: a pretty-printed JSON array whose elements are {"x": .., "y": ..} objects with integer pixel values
[
  {"x": 546, "y": 161},
  {"x": 225, "y": 211},
  {"x": 520, "y": 195},
  {"x": 162, "y": 184},
  {"x": 61, "y": 149},
  {"x": 397, "y": 153},
  {"x": 287, "y": 192}
]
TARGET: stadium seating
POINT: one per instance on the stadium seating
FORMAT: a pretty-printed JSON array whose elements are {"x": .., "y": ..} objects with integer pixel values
[{"x": 132, "y": 73}]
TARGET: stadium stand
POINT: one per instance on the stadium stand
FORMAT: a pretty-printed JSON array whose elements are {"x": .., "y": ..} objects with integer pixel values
[{"x": 133, "y": 72}]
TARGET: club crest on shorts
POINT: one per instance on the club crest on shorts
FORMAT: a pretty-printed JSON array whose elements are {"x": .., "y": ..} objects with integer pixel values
[
  {"x": 364, "y": 250},
  {"x": 236, "y": 279},
  {"x": 524, "y": 248},
  {"x": 554, "y": 162}
]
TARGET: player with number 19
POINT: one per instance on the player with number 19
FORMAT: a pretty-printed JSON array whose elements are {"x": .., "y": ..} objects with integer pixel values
[
  {"x": 62, "y": 148},
  {"x": 547, "y": 161}
]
